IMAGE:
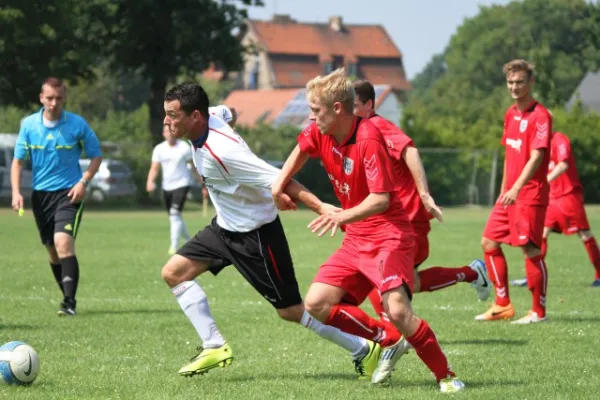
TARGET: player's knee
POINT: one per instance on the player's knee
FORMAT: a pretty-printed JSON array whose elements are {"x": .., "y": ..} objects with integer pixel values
[
  {"x": 318, "y": 307},
  {"x": 531, "y": 251},
  {"x": 586, "y": 235},
  {"x": 488, "y": 244},
  {"x": 398, "y": 307},
  {"x": 173, "y": 274},
  {"x": 64, "y": 245},
  {"x": 292, "y": 314}
]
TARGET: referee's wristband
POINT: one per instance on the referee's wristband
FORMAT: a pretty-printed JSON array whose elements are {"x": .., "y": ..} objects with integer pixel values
[{"x": 85, "y": 183}]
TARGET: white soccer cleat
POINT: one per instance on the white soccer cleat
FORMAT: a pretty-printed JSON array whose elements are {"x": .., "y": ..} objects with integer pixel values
[
  {"x": 531, "y": 318},
  {"x": 482, "y": 284},
  {"x": 519, "y": 282},
  {"x": 389, "y": 357},
  {"x": 451, "y": 385}
]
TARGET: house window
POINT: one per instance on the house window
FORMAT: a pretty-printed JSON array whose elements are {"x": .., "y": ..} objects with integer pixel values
[
  {"x": 328, "y": 68},
  {"x": 253, "y": 77},
  {"x": 352, "y": 70}
]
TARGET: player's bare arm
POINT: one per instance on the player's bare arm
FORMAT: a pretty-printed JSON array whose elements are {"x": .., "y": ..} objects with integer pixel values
[
  {"x": 77, "y": 192},
  {"x": 152, "y": 174},
  {"x": 417, "y": 170},
  {"x": 503, "y": 184},
  {"x": 299, "y": 193},
  {"x": 293, "y": 164},
  {"x": 535, "y": 160},
  {"x": 15, "y": 182},
  {"x": 374, "y": 203},
  {"x": 558, "y": 170}
]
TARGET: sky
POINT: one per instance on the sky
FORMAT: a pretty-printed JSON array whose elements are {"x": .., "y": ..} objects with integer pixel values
[{"x": 420, "y": 28}]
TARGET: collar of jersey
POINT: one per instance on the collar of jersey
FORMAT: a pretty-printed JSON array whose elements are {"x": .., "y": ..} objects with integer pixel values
[
  {"x": 198, "y": 143},
  {"x": 63, "y": 116},
  {"x": 527, "y": 109},
  {"x": 355, "y": 122}
]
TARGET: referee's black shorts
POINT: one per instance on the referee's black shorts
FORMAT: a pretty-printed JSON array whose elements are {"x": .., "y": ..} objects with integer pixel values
[
  {"x": 175, "y": 198},
  {"x": 54, "y": 212},
  {"x": 262, "y": 256}
]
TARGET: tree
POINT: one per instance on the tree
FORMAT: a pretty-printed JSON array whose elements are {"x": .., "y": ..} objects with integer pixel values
[
  {"x": 161, "y": 39},
  {"x": 43, "y": 38}
]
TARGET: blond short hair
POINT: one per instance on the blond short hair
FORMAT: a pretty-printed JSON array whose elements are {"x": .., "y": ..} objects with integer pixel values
[
  {"x": 517, "y": 66},
  {"x": 332, "y": 88}
]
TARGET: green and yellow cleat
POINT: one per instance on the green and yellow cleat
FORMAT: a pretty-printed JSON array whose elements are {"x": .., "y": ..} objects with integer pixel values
[
  {"x": 207, "y": 360},
  {"x": 365, "y": 365}
]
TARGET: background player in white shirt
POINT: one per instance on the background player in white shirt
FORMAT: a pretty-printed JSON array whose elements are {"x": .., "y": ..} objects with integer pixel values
[
  {"x": 172, "y": 157},
  {"x": 247, "y": 232},
  {"x": 227, "y": 114}
]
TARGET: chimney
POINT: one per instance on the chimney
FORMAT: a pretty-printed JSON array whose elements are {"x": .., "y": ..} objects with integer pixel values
[
  {"x": 282, "y": 19},
  {"x": 336, "y": 24}
]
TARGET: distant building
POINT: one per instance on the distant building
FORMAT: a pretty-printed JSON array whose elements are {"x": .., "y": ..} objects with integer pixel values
[
  {"x": 588, "y": 92},
  {"x": 289, "y": 106}
]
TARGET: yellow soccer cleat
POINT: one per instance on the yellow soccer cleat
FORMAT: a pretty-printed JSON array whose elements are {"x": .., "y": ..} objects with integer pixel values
[
  {"x": 451, "y": 385},
  {"x": 207, "y": 360},
  {"x": 365, "y": 365},
  {"x": 172, "y": 251}
]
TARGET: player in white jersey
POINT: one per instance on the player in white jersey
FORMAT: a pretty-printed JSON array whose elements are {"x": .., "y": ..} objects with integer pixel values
[
  {"x": 172, "y": 157},
  {"x": 246, "y": 233}
]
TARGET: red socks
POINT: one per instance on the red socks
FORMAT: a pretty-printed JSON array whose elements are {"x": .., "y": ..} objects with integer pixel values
[
  {"x": 428, "y": 349},
  {"x": 436, "y": 278},
  {"x": 592, "y": 249},
  {"x": 496, "y": 266},
  {"x": 355, "y": 321},
  {"x": 376, "y": 302},
  {"x": 537, "y": 281}
]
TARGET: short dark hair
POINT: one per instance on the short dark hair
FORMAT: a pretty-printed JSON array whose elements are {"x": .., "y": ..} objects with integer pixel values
[
  {"x": 191, "y": 96},
  {"x": 54, "y": 82},
  {"x": 364, "y": 91}
]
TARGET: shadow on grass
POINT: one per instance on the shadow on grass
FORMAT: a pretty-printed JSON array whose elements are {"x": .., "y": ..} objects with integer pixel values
[
  {"x": 487, "y": 342},
  {"x": 396, "y": 382},
  {"x": 131, "y": 311},
  {"x": 18, "y": 326}
]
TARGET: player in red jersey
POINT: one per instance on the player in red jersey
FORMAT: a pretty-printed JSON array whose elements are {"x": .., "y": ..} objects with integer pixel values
[
  {"x": 517, "y": 218},
  {"x": 411, "y": 183},
  {"x": 566, "y": 211},
  {"x": 378, "y": 249}
]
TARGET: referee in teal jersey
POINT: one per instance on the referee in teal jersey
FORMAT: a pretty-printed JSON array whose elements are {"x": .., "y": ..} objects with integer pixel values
[{"x": 53, "y": 140}]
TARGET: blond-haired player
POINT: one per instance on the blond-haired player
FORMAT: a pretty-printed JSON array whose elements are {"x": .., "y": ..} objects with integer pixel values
[{"x": 378, "y": 249}]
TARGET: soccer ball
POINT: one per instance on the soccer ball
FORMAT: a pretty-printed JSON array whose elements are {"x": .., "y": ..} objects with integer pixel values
[{"x": 19, "y": 363}]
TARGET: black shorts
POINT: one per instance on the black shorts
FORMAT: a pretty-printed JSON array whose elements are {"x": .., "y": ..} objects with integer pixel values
[
  {"x": 262, "y": 256},
  {"x": 175, "y": 198},
  {"x": 54, "y": 213}
]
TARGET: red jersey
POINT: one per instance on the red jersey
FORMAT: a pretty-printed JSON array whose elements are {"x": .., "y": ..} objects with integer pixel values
[
  {"x": 524, "y": 132},
  {"x": 397, "y": 141},
  {"x": 356, "y": 168},
  {"x": 567, "y": 182}
]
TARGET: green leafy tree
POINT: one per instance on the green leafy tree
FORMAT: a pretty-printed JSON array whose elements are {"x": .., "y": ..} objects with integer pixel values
[{"x": 162, "y": 39}]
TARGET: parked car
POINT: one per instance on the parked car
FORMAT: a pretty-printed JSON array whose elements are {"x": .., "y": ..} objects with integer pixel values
[
  {"x": 113, "y": 180},
  {"x": 7, "y": 150}
]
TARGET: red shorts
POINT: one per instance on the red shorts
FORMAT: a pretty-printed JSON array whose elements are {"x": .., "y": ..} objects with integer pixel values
[
  {"x": 359, "y": 267},
  {"x": 421, "y": 229},
  {"x": 566, "y": 214},
  {"x": 516, "y": 225}
]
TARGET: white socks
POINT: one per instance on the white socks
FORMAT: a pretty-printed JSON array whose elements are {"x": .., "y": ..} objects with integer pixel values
[
  {"x": 194, "y": 304},
  {"x": 178, "y": 229},
  {"x": 357, "y": 346}
]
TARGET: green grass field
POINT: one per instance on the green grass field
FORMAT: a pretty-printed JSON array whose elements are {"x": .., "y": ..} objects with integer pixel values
[{"x": 130, "y": 337}]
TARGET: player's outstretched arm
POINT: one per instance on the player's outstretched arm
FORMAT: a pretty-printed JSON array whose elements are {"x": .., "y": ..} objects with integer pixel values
[
  {"x": 374, "y": 203},
  {"x": 415, "y": 165},
  {"x": 558, "y": 170},
  {"x": 299, "y": 193},
  {"x": 535, "y": 160},
  {"x": 293, "y": 164}
]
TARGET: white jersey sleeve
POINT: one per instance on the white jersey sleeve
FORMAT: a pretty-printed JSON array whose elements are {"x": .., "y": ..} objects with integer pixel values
[
  {"x": 156, "y": 153},
  {"x": 247, "y": 169},
  {"x": 222, "y": 112}
]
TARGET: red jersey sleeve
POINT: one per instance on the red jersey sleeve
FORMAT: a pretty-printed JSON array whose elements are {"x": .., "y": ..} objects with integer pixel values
[
  {"x": 396, "y": 144},
  {"x": 308, "y": 140},
  {"x": 562, "y": 148},
  {"x": 539, "y": 135},
  {"x": 377, "y": 167}
]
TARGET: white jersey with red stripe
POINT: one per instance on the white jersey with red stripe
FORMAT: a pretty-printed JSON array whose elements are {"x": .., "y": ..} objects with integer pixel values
[{"x": 239, "y": 183}]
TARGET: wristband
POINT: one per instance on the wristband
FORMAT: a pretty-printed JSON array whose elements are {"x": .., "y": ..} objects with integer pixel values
[{"x": 85, "y": 183}]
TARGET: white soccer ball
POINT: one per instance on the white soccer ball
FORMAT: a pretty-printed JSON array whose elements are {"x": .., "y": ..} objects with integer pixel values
[{"x": 19, "y": 363}]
